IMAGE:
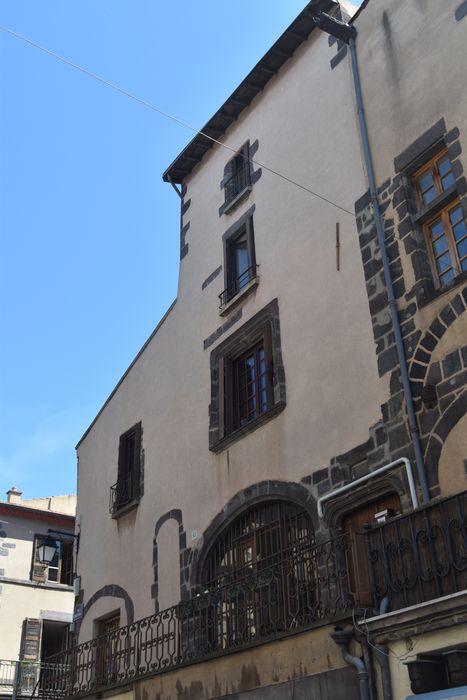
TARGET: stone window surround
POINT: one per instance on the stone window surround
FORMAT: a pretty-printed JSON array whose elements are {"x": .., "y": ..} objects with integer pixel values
[
  {"x": 133, "y": 502},
  {"x": 417, "y": 154},
  {"x": 265, "y": 321},
  {"x": 252, "y": 176}
]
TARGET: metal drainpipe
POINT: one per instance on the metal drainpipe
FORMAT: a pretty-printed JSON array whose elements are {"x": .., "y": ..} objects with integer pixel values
[
  {"x": 343, "y": 638},
  {"x": 387, "y": 277},
  {"x": 381, "y": 656}
]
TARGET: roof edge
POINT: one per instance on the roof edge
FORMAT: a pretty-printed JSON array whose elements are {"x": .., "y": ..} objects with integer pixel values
[
  {"x": 125, "y": 374},
  {"x": 279, "y": 53}
]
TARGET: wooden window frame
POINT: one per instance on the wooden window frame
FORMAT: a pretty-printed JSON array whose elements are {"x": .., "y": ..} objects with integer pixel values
[{"x": 439, "y": 208}]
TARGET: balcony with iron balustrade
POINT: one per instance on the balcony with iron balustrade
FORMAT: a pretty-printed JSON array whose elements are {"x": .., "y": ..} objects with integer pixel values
[
  {"x": 420, "y": 556},
  {"x": 307, "y": 590}
]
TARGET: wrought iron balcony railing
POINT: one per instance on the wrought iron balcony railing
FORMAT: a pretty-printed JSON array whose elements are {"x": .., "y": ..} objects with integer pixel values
[
  {"x": 121, "y": 494},
  {"x": 308, "y": 589},
  {"x": 237, "y": 285},
  {"x": 420, "y": 556},
  {"x": 20, "y": 679}
]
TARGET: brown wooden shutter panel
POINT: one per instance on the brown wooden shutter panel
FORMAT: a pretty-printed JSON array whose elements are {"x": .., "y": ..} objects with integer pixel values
[{"x": 31, "y": 639}]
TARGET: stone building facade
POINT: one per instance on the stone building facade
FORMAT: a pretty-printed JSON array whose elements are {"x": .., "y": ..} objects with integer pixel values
[{"x": 259, "y": 443}]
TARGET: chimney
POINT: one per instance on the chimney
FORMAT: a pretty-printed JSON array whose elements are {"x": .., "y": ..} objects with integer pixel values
[{"x": 14, "y": 496}]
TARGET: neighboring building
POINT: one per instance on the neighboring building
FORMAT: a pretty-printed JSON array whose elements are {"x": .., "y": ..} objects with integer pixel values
[
  {"x": 36, "y": 601},
  {"x": 237, "y": 448}
]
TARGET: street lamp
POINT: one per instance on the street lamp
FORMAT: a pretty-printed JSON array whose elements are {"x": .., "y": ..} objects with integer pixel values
[{"x": 47, "y": 550}]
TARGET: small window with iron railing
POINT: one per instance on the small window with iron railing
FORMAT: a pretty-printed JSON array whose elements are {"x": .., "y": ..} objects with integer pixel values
[
  {"x": 240, "y": 262},
  {"x": 127, "y": 490},
  {"x": 237, "y": 177}
]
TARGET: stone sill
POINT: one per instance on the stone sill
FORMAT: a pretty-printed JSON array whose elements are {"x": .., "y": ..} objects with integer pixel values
[
  {"x": 236, "y": 200},
  {"x": 131, "y": 505},
  {"x": 225, "y": 308},
  {"x": 439, "y": 291},
  {"x": 430, "y": 210},
  {"x": 224, "y": 442}
]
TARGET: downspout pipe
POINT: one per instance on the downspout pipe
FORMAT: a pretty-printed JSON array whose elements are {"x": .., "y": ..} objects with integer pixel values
[
  {"x": 381, "y": 654},
  {"x": 343, "y": 638},
  {"x": 413, "y": 427}
]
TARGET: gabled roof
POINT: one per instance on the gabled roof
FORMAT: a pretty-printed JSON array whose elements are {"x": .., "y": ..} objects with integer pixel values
[{"x": 255, "y": 81}]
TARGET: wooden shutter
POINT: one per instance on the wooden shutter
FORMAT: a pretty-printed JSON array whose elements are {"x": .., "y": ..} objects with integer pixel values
[{"x": 31, "y": 645}]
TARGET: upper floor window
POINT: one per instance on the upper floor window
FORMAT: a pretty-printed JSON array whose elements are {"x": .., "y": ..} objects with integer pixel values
[
  {"x": 127, "y": 489},
  {"x": 443, "y": 219},
  {"x": 239, "y": 259},
  {"x": 248, "y": 380},
  {"x": 237, "y": 175},
  {"x": 60, "y": 569},
  {"x": 252, "y": 387}
]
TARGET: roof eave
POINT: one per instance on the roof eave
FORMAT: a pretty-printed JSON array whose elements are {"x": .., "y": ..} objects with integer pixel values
[{"x": 243, "y": 95}]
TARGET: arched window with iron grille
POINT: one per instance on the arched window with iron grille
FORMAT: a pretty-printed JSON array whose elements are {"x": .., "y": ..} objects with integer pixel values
[{"x": 262, "y": 573}]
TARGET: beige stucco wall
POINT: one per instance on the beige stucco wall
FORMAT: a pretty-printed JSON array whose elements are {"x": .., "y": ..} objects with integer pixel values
[
  {"x": 18, "y": 602},
  {"x": 452, "y": 462},
  {"x": 407, "y": 88},
  {"x": 21, "y": 598},
  {"x": 303, "y": 121},
  {"x": 57, "y": 504}
]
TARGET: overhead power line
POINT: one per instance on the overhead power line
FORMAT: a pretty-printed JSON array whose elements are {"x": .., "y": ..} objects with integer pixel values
[{"x": 149, "y": 105}]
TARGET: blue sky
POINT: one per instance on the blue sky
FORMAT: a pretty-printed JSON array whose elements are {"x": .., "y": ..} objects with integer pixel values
[{"x": 89, "y": 231}]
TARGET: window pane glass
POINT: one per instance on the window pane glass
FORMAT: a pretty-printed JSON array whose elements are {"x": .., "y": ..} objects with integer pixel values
[
  {"x": 460, "y": 231},
  {"x": 464, "y": 265},
  {"x": 426, "y": 182},
  {"x": 462, "y": 248},
  {"x": 447, "y": 181},
  {"x": 444, "y": 165},
  {"x": 241, "y": 261},
  {"x": 447, "y": 277},
  {"x": 429, "y": 195},
  {"x": 444, "y": 263},
  {"x": 436, "y": 229},
  {"x": 440, "y": 245},
  {"x": 456, "y": 215}
]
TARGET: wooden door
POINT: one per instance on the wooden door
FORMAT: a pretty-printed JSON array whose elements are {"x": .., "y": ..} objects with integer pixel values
[{"x": 357, "y": 554}]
